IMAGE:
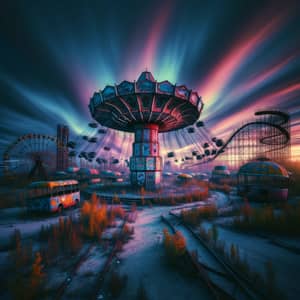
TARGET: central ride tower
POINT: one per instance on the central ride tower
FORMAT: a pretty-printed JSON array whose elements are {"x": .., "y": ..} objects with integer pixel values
[
  {"x": 146, "y": 107},
  {"x": 145, "y": 162}
]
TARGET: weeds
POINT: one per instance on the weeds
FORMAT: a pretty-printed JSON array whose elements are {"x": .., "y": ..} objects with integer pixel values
[
  {"x": 58, "y": 241},
  {"x": 285, "y": 221},
  {"x": 116, "y": 284},
  {"x": 174, "y": 199},
  {"x": 28, "y": 277},
  {"x": 195, "y": 215},
  {"x": 175, "y": 245},
  {"x": 266, "y": 284}
]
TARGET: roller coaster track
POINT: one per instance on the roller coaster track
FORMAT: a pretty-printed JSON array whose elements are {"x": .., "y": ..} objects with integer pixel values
[
  {"x": 283, "y": 119},
  {"x": 274, "y": 139}
]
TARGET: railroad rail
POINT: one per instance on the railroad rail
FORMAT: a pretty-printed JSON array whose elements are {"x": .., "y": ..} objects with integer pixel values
[
  {"x": 216, "y": 292},
  {"x": 244, "y": 285},
  {"x": 100, "y": 276},
  {"x": 66, "y": 282}
]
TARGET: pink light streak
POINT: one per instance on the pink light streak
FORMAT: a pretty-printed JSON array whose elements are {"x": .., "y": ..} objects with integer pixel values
[
  {"x": 258, "y": 79},
  {"x": 224, "y": 71},
  {"x": 149, "y": 50},
  {"x": 272, "y": 99},
  {"x": 157, "y": 30}
]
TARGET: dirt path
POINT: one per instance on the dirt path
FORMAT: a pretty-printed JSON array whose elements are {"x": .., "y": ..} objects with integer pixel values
[{"x": 142, "y": 261}]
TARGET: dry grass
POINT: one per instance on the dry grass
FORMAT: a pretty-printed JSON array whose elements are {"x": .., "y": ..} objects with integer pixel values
[
  {"x": 263, "y": 282},
  {"x": 175, "y": 245},
  {"x": 195, "y": 215},
  {"x": 283, "y": 221},
  {"x": 58, "y": 243}
]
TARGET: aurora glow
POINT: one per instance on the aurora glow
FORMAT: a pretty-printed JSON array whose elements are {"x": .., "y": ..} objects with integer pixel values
[{"x": 238, "y": 56}]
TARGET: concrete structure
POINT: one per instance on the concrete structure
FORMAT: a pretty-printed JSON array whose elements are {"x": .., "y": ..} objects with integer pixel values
[{"x": 146, "y": 107}]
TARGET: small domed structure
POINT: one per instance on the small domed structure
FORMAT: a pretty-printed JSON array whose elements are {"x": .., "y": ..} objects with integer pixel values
[
  {"x": 110, "y": 176},
  {"x": 72, "y": 170},
  {"x": 220, "y": 174},
  {"x": 184, "y": 177},
  {"x": 202, "y": 176},
  {"x": 87, "y": 171},
  {"x": 263, "y": 180},
  {"x": 167, "y": 174}
]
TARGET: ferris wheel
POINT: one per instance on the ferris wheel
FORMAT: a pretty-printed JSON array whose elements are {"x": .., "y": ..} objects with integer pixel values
[{"x": 30, "y": 154}]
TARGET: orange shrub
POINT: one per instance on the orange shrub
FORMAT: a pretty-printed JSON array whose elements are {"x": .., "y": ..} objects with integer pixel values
[
  {"x": 175, "y": 245},
  {"x": 193, "y": 216},
  {"x": 94, "y": 217}
]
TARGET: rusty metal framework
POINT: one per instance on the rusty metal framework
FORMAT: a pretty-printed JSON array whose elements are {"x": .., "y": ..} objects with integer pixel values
[
  {"x": 62, "y": 149},
  {"x": 31, "y": 154},
  {"x": 266, "y": 136}
]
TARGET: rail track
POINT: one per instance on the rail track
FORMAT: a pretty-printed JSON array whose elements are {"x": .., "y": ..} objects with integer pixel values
[
  {"x": 61, "y": 289},
  {"x": 216, "y": 292},
  {"x": 101, "y": 274},
  {"x": 234, "y": 285}
]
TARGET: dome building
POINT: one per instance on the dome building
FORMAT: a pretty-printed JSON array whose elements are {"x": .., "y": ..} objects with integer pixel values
[
  {"x": 263, "y": 181},
  {"x": 184, "y": 177},
  {"x": 220, "y": 175}
]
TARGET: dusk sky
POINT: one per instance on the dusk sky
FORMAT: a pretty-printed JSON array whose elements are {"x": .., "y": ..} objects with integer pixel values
[{"x": 240, "y": 56}]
